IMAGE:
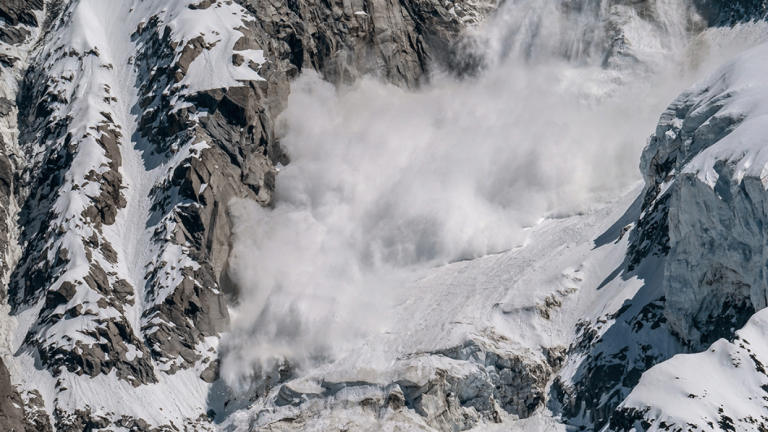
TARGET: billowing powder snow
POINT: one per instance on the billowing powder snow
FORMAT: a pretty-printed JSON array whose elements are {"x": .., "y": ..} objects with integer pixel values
[{"x": 385, "y": 183}]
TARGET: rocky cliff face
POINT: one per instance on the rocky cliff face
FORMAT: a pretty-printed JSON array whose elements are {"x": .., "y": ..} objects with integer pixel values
[
  {"x": 713, "y": 215},
  {"x": 11, "y": 405}
]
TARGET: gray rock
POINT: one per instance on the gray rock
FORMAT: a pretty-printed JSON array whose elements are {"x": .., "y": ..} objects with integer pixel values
[
  {"x": 397, "y": 42},
  {"x": 13, "y": 35},
  {"x": 16, "y": 12},
  {"x": 36, "y": 418},
  {"x": 239, "y": 120},
  {"x": 38, "y": 186},
  {"x": 205, "y": 4},
  {"x": 344, "y": 40},
  {"x": 6, "y": 106},
  {"x": 11, "y": 405},
  {"x": 211, "y": 373},
  {"x": 80, "y": 420}
]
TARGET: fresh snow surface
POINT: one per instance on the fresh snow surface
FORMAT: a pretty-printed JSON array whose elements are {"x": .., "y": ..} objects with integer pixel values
[
  {"x": 724, "y": 384},
  {"x": 742, "y": 91}
]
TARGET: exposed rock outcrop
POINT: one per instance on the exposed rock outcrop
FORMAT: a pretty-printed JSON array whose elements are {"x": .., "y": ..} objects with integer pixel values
[
  {"x": 237, "y": 127},
  {"x": 11, "y": 405},
  {"x": 122, "y": 146},
  {"x": 36, "y": 417},
  {"x": 456, "y": 389},
  {"x": 345, "y": 40},
  {"x": 713, "y": 211},
  {"x": 71, "y": 188},
  {"x": 707, "y": 157},
  {"x": 19, "y": 31}
]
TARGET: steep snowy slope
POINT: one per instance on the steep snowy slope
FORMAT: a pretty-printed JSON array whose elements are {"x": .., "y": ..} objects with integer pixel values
[{"x": 566, "y": 347}]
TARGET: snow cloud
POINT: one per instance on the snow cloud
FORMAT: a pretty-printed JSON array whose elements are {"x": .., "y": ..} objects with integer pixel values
[{"x": 385, "y": 182}]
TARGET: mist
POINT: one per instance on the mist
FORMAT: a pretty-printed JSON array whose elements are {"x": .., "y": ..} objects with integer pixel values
[{"x": 385, "y": 183}]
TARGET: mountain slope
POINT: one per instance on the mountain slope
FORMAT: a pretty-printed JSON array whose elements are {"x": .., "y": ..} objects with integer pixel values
[
  {"x": 708, "y": 155},
  {"x": 130, "y": 130}
]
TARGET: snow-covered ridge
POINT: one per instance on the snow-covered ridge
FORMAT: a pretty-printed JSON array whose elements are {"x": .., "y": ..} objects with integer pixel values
[
  {"x": 732, "y": 397},
  {"x": 708, "y": 155}
]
